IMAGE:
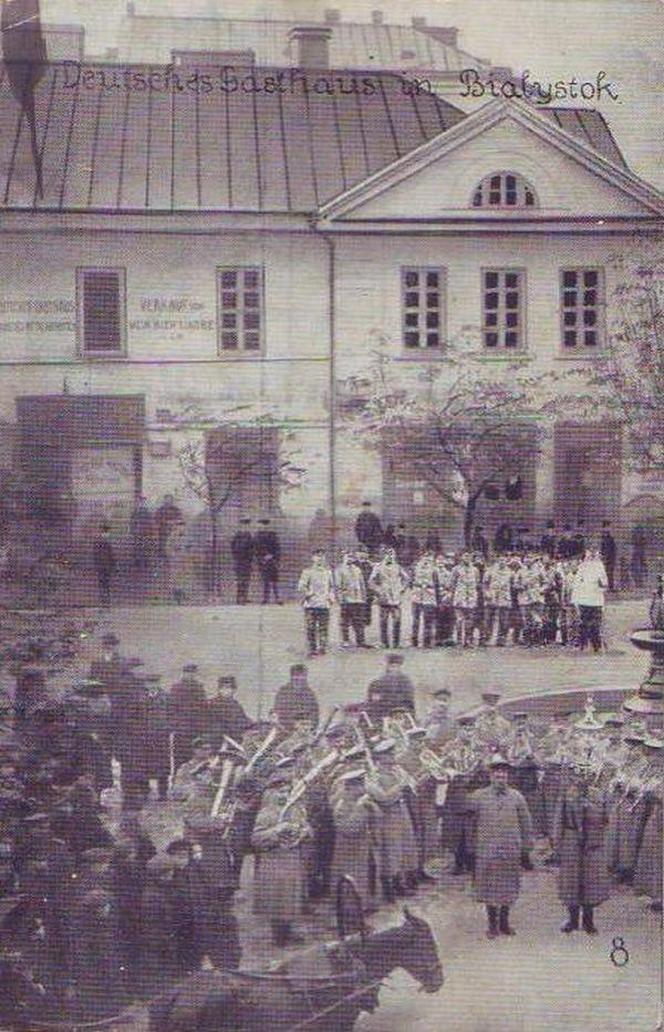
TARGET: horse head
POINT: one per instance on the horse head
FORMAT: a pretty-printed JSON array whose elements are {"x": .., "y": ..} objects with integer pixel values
[{"x": 419, "y": 952}]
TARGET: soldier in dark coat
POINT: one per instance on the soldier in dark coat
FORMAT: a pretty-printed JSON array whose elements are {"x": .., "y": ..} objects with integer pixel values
[
  {"x": 267, "y": 550},
  {"x": 369, "y": 530},
  {"x": 188, "y": 713},
  {"x": 504, "y": 839},
  {"x": 579, "y": 836},
  {"x": 104, "y": 562},
  {"x": 393, "y": 691},
  {"x": 159, "y": 952},
  {"x": 158, "y": 732},
  {"x": 98, "y": 978},
  {"x": 296, "y": 701},
  {"x": 608, "y": 551},
  {"x": 242, "y": 551},
  {"x": 226, "y": 716}
]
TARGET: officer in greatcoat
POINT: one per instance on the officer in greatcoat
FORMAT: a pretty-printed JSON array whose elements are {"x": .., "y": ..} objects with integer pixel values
[
  {"x": 296, "y": 701},
  {"x": 354, "y": 816},
  {"x": 392, "y": 691},
  {"x": 242, "y": 552},
  {"x": 503, "y": 840},
  {"x": 188, "y": 713},
  {"x": 279, "y": 838},
  {"x": 580, "y": 839},
  {"x": 648, "y": 871},
  {"x": 397, "y": 858},
  {"x": 226, "y": 715}
]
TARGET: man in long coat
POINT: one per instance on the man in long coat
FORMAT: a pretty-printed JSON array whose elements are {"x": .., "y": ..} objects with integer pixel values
[
  {"x": 242, "y": 551},
  {"x": 504, "y": 838},
  {"x": 279, "y": 840},
  {"x": 296, "y": 701},
  {"x": 396, "y": 847},
  {"x": 354, "y": 817},
  {"x": 648, "y": 871},
  {"x": 579, "y": 838},
  {"x": 188, "y": 713}
]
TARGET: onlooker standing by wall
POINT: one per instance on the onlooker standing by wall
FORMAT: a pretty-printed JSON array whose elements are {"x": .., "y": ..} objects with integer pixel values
[
  {"x": 608, "y": 551},
  {"x": 267, "y": 550},
  {"x": 316, "y": 586},
  {"x": 424, "y": 600},
  {"x": 464, "y": 598},
  {"x": 141, "y": 529},
  {"x": 242, "y": 552},
  {"x": 165, "y": 518},
  {"x": 103, "y": 558},
  {"x": 590, "y": 583},
  {"x": 368, "y": 529}
]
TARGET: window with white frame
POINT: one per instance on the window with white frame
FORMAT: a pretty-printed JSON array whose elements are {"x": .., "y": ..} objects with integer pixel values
[
  {"x": 503, "y": 309},
  {"x": 101, "y": 294},
  {"x": 240, "y": 310},
  {"x": 504, "y": 190},
  {"x": 422, "y": 303},
  {"x": 581, "y": 305}
]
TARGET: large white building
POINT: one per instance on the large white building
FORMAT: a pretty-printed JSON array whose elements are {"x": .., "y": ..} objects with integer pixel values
[{"x": 218, "y": 255}]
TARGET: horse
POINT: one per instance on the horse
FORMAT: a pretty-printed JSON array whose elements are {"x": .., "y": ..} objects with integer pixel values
[{"x": 292, "y": 998}]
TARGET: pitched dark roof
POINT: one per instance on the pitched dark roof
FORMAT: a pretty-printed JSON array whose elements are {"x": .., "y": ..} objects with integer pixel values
[
  {"x": 588, "y": 126},
  {"x": 144, "y": 38},
  {"x": 135, "y": 149}
]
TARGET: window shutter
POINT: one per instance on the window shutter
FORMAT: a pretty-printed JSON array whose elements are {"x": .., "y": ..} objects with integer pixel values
[{"x": 102, "y": 315}]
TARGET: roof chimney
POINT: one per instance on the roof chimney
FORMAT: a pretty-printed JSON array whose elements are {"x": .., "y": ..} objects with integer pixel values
[
  {"x": 313, "y": 45},
  {"x": 332, "y": 16},
  {"x": 377, "y": 17},
  {"x": 448, "y": 35},
  {"x": 419, "y": 23}
]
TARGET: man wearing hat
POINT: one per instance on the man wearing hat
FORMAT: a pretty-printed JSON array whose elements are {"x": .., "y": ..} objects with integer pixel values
[
  {"x": 628, "y": 810},
  {"x": 648, "y": 871},
  {"x": 354, "y": 816},
  {"x": 188, "y": 713},
  {"x": 242, "y": 551},
  {"x": 579, "y": 839},
  {"x": 226, "y": 715},
  {"x": 351, "y": 591},
  {"x": 193, "y": 779},
  {"x": 279, "y": 838},
  {"x": 368, "y": 529},
  {"x": 396, "y": 849},
  {"x": 267, "y": 550},
  {"x": 296, "y": 701},
  {"x": 491, "y": 726},
  {"x": 393, "y": 691},
  {"x": 503, "y": 841},
  {"x": 438, "y": 722},
  {"x": 316, "y": 586},
  {"x": 420, "y": 798}
]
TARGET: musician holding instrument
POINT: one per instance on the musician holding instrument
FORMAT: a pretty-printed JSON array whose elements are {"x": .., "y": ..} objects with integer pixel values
[
  {"x": 420, "y": 797},
  {"x": 396, "y": 848},
  {"x": 354, "y": 817},
  {"x": 280, "y": 833},
  {"x": 580, "y": 840},
  {"x": 648, "y": 871}
]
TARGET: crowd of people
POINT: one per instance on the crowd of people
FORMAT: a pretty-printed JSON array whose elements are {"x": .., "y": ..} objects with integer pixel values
[
  {"x": 96, "y": 913},
  {"x": 457, "y": 599}
]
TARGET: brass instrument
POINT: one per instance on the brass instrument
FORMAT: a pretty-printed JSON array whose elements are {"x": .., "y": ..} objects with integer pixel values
[
  {"x": 312, "y": 775},
  {"x": 362, "y": 740},
  {"x": 322, "y": 728},
  {"x": 264, "y": 748},
  {"x": 227, "y": 771}
]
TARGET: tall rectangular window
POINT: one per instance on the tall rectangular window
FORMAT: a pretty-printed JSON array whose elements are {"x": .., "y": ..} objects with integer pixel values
[
  {"x": 240, "y": 310},
  {"x": 101, "y": 311},
  {"x": 503, "y": 307},
  {"x": 581, "y": 302},
  {"x": 422, "y": 303}
]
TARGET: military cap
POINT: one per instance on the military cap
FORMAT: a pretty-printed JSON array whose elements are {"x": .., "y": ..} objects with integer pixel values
[
  {"x": 190, "y": 668},
  {"x": 498, "y": 761},
  {"x": 385, "y": 746},
  {"x": 490, "y": 698},
  {"x": 356, "y": 753},
  {"x": 441, "y": 693},
  {"x": 520, "y": 716},
  {"x": 298, "y": 749},
  {"x": 279, "y": 777},
  {"x": 178, "y": 845},
  {"x": 416, "y": 732},
  {"x": 286, "y": 763},
  {"x": 614, "y": 720},
  {"x": 336, "y": 729},
  {"x": 395, "y": 659},
  {"x": 351, "y": 776},
  {"x": 89, "y": 687},
  {"x": 466, "y": 720},
  {"x": 110, "y": 639},
  {"x": 133, "y": 661},
  {"x": 653, "y": 742}
]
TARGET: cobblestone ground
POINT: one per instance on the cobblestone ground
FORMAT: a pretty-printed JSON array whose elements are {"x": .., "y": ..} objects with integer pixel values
[{"x": 541, "y": 979}]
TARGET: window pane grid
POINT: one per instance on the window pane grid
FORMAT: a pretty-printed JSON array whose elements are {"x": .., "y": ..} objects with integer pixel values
[
  {"x": 502, "y": 309},
  {"x": 240, "y": 303},
  {"x": 421, "y": 293},
  {"x": 580, "y": 300},
  {"x": 503, "y": 189}
]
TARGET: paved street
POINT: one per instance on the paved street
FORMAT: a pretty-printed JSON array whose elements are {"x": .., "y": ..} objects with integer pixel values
[{"x": 518, "y": 985}]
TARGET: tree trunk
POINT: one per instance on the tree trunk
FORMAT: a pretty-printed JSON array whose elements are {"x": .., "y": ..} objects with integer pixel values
[
  {"x": 214, "y": 572},
  {"x": 468, "y": 520}
]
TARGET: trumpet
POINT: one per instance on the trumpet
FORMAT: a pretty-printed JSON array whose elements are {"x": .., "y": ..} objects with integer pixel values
[
  {"x": 432, "y": 763},
  {"x": 362, "y": 740},
  {"x": 312, "y": 775}
]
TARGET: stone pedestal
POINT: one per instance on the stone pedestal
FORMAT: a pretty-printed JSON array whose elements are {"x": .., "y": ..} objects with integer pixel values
[{"x": 647, "y": 702}]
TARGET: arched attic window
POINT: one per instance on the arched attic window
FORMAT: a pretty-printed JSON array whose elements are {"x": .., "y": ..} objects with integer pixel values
[{"x": 504, "y": 190}]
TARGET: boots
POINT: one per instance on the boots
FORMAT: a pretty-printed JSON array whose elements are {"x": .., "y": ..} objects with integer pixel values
[
  {"x": 504, "y": 923},
  {"x": 492, "y": 930},
  {"x": 588, "y": 923},
  {"x": 572, "y": 925}
]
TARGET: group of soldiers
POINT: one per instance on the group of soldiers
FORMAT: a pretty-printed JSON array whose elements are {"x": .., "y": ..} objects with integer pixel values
[
  {"x": 99, "y": 914},
  {"x": 456, "y": 599}
]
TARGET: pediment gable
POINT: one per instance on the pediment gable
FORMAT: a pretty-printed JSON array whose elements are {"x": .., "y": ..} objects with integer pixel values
[{"x": 439, "y": 179}]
